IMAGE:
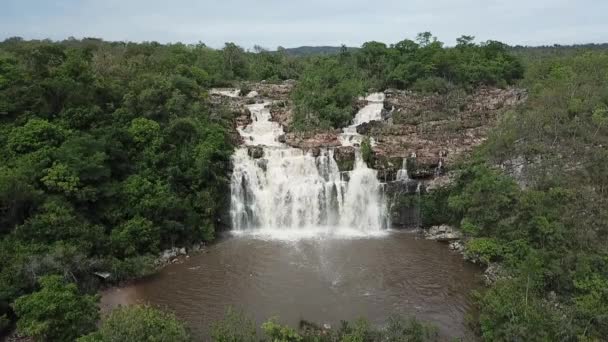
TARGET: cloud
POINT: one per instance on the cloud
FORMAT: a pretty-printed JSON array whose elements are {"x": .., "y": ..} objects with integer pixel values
[{"x": 313, "y": 22}]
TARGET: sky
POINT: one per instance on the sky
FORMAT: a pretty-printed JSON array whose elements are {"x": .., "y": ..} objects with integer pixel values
[{"x": 291, "y": 23}]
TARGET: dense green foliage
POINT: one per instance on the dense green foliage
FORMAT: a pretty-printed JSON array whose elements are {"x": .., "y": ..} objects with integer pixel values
[
  {"x": 139, "y": 323},
  {"x": 110, "y": 153},
  {"x": 326, "y": 95},
  {"x": 57, "y": 312},
  {"x": 552, "y": 235},
  {"x": 236, "y": 327}
]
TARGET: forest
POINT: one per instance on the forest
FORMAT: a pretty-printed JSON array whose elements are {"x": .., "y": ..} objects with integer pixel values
[{"x": 112, "y": 152}]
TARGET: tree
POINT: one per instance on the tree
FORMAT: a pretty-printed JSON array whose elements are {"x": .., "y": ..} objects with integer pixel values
[
  {"x": 57, "y": 312},
  {"x": 139, "y": 323},
  {"x": 34, "y": 135},
  {"x": 136, "y": 236}
]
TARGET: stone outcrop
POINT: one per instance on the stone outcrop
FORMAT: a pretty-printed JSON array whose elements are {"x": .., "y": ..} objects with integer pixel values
[
  {"x": 308, "y": 140},
  {"x": 443, "y": 233},
  {"x": 255, "y": 152},
  {"x": 437, "y": 129},
  {"x": 345, "y": 157},
  {"x": 432, "y": 130}
]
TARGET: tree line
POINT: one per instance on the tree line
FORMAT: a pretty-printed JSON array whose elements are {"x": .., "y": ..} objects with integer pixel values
[{"x": 112, "y": 151}]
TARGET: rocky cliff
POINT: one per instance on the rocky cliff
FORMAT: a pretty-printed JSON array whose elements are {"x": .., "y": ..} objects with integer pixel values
[{"x": 418, "y": 139}]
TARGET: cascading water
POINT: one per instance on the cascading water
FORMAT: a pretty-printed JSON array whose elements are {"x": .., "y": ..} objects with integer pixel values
[
  {"x": 288, "y": 192},
  {"x": 402, "y": 175},
  {"x": 372, "y": 111}
]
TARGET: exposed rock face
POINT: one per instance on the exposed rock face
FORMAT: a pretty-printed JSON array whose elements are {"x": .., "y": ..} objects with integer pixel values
[
  {"x": 306, "y": 140},
  {"x": 345, "y": 157},
  {"x": 255, "y": 152},
  {"x": 436, "y": 129},
  {"x": 443, "y": 233},
  {"x": 282, "y": 112},
  {"x": 433, "y": 129},
  {"x": 404, "y": 202}
]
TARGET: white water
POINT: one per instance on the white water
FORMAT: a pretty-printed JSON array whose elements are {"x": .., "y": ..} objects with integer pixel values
[
  {"x": 402, "y": 175},
  {"x": 261, "y": 131},
  {"x": 372, "y": 111},
  {"x": 290, "y": 194},
  {"x": 229, "y": 92}
]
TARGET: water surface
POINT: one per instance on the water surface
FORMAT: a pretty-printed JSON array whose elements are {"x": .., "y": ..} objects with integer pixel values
[{"x": 324, "y": 280}]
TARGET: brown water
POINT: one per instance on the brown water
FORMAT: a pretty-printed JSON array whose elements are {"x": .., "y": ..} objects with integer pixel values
[{"x": 320, "y": 280}]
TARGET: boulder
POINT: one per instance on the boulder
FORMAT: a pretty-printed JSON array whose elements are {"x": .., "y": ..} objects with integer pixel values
[
  {"x": 457, "y": 246},
  {"x": 443, "y": 233},
  {"x": 345, "y": 158},
  {"x": 255, "y": 152}
]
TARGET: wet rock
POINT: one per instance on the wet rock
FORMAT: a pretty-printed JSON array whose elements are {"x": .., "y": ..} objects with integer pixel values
[
  {"x": 255, "y": 152},
  {"x": 405, "y": 209},
  {"x": 443, "y": 233},
  {"x": 367, "y": 127},
  {"x": 262, "y": 163},
  {"x": 345, "y": 176},
  {"x": 457, "y": 246},
  {"x": 282, "y": 138},
  {"x": 166, "y": 256},
  {"x": 345, "y": 158}
]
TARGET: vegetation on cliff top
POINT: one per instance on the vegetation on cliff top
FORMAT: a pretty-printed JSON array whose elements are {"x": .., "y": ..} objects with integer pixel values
[
  {"x": 552, "y": 235},
  {"x": 326, "y": 95}
]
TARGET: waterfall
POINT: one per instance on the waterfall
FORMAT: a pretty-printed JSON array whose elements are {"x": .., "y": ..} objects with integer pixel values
[
  {"x": 288, "y": 192},
  {"x": 402, "y": 175},
  {"x": 372, "y": 111}
]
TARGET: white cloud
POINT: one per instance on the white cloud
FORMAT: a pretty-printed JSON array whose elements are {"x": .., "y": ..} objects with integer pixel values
[{"x": 314, "y": 22}]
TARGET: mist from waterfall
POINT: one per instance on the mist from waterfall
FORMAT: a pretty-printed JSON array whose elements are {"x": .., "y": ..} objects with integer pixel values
[{"x": 288, "y": 193}]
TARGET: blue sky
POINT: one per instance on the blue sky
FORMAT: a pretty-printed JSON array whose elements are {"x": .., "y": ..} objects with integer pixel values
[{"x": 290, "y": 23}]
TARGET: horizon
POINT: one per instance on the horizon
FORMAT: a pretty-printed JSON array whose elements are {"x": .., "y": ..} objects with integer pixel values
[{"x": 273, "y": 23}]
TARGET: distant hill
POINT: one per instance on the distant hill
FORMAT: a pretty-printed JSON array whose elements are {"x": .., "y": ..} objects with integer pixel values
[
  {"x": 316, "y": 50},
  {"x": 304, "y": 51}
]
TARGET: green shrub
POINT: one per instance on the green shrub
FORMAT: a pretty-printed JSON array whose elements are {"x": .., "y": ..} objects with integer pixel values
[
  {"x": 235, "y": 327},
  {"x": 486, "y": 250},
  {"x": 366, "y": 151},
  {"x": 57, "y": 312},
  {"x": 139, "y": 323},
  {"x": 280, "y": 333}
]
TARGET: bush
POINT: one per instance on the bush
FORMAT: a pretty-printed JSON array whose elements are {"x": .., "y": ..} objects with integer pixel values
[
  {"x": 366, "y": 151},
  {"x": 235, "y": 327},
  {"x": 57, "y": 312},
  {"x": 513, "y": 311},
  {"x": 485, "y": 250},
  {"x": 139, "y": 323},
  {"x": 432, "y": 85}
]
